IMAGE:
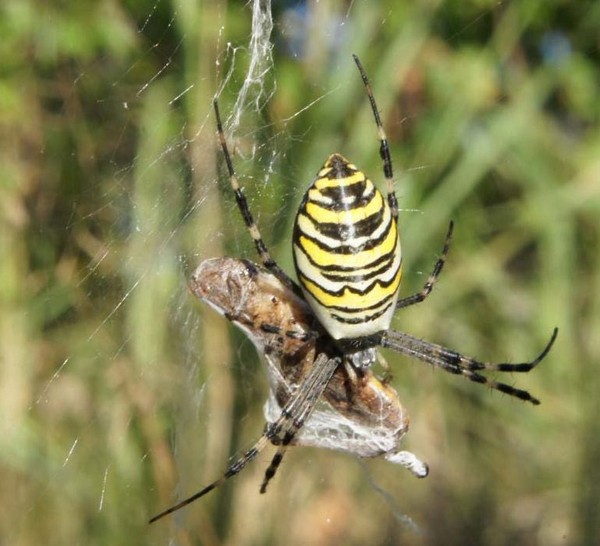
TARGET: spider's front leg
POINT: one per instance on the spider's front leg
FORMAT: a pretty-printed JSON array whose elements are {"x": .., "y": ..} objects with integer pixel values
[
  {"x": 456, "y": 363},
  {"x": 292, "y": 418}
]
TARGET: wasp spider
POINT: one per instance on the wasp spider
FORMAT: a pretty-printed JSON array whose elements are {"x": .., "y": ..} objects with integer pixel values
[{"x": 321, "y": 337}]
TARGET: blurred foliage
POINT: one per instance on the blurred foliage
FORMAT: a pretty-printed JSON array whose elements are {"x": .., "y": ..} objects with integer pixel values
[{"x": 118, "y": 393}]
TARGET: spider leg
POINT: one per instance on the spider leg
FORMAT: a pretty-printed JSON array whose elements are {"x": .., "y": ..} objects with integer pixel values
[
  {"x": 323, "y": 369},
  {"x": 437, "y": 269},
  {"x": 293, "y": 415},
  {"x": 456, "y": 363},
  {"x": 242, "y": 203},
  {"x": 384, "y": 149},
  {"x": 234, "y": 469}
]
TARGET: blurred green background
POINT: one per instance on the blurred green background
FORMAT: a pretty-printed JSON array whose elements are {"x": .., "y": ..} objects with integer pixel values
[{"x": 120, "y": 394}]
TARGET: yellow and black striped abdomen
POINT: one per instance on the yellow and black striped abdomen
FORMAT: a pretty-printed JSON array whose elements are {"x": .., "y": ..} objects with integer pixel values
[{"x": 347, "y": 252}]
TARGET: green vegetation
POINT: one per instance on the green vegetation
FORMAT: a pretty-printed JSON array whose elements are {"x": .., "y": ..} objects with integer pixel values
[{"x": 118, "y": 392}]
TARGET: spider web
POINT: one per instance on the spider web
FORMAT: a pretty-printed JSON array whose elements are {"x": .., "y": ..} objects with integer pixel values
[
  {"x": 160, "y": 213},
  {"x": 144, "y": 206},
  {"x": 148, "y": 224},
  {"x": 150, "y": 217}
]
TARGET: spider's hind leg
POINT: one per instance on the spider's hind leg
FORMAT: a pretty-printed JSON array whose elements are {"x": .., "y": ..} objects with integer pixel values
[
  {"x": 242, "y": 203},
  {"x": 433, "y": 277},
  {"x": 384, "y": 149}
]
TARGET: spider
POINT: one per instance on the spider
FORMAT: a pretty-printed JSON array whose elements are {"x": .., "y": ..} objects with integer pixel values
[{"x": 349, "y": 267}]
